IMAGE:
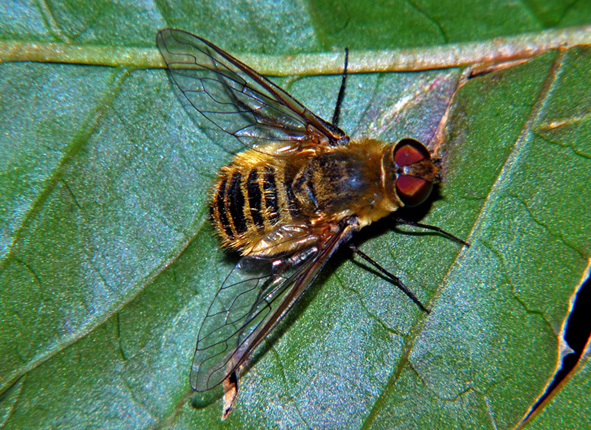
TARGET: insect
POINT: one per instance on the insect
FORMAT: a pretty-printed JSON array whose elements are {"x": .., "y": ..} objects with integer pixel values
[{"x": 298, "y": 191}]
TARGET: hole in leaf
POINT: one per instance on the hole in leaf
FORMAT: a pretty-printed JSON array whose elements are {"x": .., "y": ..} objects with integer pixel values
[{"x": 578, "y": 330}]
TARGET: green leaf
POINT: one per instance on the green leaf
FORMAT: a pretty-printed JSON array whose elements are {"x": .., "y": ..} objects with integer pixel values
[
  {"x": 519, "y": 175},
  {"x": 108, "y": 262}
]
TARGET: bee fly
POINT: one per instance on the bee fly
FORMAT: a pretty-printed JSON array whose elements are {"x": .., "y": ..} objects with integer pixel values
[{"x": 299, "y": 191}]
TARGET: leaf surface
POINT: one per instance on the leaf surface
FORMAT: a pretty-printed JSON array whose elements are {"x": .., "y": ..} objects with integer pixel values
[{"x": 108, "y": 262}]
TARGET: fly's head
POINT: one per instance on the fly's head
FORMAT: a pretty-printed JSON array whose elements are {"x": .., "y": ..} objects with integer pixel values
[{"x": 411, "y": 172}]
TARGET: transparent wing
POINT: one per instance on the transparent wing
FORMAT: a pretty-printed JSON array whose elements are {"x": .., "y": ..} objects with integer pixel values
[
  {"x": 253, "y": 299},
  {"x": 239, "y": 100}
]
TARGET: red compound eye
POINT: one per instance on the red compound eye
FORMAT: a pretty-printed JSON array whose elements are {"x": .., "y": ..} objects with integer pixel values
[
  {"x": 412, "y": 190},
  {"x": 410, "y": 151}
]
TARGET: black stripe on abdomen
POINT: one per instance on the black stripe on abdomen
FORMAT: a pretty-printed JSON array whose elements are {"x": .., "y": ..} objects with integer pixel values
[
  {"x": 270, "y": 192},
  {"x": 236, "y": 203},
  {"x": 291, "y": 200},
  {"x": 255, "y": 198},
  {"x": 222, "y": 217}
]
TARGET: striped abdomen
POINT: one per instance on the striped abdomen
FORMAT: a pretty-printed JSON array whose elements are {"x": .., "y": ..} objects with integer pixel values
[{"x": 249, "y": 200}]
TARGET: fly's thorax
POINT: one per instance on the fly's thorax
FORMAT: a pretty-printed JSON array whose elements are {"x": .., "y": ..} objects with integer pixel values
[
  {"x": 338, "y": 182},
  {"x": 409, "y": 172}
]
